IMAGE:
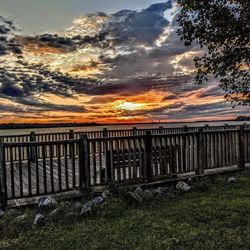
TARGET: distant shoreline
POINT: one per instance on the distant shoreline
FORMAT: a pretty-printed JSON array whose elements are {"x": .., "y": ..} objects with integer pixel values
[{"x": 55, "y": 125}]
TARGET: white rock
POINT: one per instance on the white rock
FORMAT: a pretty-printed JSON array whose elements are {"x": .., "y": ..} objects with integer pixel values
[
  {"x": 39, "y": 220},
  {"x": 190, "y": 179},
  {"x": 14, "y": 212},
  {"x": 87, "y": 208},
  {"x": 135, "y": 196},
  {"x": 21, "y": 218},
  {"x": 2, "y": 213},
  {"x": 181, "y": 185},
  {"x": 147, "y": 194},
  {"x": 139, "y": 190},
  {"x": 77, "y": 205},
  {"x": 46, "y": 201},
  {"x": 71, "y": 215},
  {"x": 231, "y": 179},
  {"x": 98, "y": 200},
  {"x": 158, "y": 191},
  {"x": 105, "y": 194},
  {"x": 55, "y": 212}
]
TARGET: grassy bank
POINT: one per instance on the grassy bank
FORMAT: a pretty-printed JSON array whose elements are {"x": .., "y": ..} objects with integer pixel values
[{"x": 212, "y": 216}]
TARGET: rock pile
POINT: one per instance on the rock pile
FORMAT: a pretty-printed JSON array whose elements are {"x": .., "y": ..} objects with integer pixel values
[
  {"x": 88, "y": 207},
  {"x": 39, "y": 220},
  {"x": 183, "y": 186},
  {"x": 139, "y": 194},
  {"x": 231, "y": 179},
  {"x": 2, "y": 213},
  {"x": 46, "y": 201}
]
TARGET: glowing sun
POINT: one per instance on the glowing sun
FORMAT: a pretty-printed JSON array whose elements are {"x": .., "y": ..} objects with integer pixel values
[{"x": 129, "y": 106}]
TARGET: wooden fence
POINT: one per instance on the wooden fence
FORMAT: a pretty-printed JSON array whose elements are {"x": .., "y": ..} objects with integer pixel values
[
  {"x": 29, "y": 169},
  {"x": 43, "y": 137}
]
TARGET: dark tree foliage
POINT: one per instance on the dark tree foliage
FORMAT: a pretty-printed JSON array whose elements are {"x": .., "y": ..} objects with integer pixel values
[{"x": 222, "y": 28}]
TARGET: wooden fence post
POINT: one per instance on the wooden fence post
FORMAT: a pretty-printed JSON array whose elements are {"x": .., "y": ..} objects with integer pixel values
[
  {"x": 105, "y": 132},
  {"x": 173, "y": 165},
  {"x": 161, "y": 129},
  {"x": 206, "y": 127},
  {"x": 107, "y": 171},
  {"x": 242, "y": 141},
  {"x": 71, "y": 134},
  {"x": 3, "y": 186},
  {"x": 71, "y": 137},
  {"x": 32, "y": 149},
  {"x": 134, "y": 131},
  {"x": 84, "y": 163},
  {"x": 184, "y": 149},
  {"x": 201, "y": 152},
  {"x": 147, "y": 168}
]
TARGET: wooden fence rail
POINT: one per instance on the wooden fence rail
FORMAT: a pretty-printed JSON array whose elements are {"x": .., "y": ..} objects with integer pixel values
[
  {"x": 43, "y": 137},
  {"x": 32, "y": 168},
  {"x": 32, "y": 137}
]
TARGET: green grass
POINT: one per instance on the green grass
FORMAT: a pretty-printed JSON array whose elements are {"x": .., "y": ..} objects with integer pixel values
[{"x": 212, "y": 216}]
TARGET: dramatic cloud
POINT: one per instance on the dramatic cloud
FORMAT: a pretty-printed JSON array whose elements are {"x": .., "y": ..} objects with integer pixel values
[{"x": 126, "y": 66}]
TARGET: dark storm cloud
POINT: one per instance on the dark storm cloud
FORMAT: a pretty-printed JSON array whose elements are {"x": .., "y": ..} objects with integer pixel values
[
  {"x": 141, "y": 27},
  {"x": 124, "y": 27},
  {"x": 174, "y": 84},
  {"x": 137, "y": 61},
  {"x": 37, "y": 107},
  {"x": 10, "y": 108},
  {"x": 21, "y": 86},
  {"x": 8, "y": 44},
  {"x": 27, "y": 80},
  {"x": 6, "y": 26},
  {"x": 162, "y": 110},
  {"x": 65, "y": 44},
  {"x": 204, "y": 107},
  {"x": 45, "y": 106},
  {"x": 214, "y": 91},
  {"x": 218, "y": 109},
  {"x": 156, "y": 59},
  {"x": 180, "y": 110}
]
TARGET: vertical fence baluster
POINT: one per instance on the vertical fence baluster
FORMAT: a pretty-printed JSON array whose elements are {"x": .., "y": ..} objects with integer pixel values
[
  {"x": 147, "y": 173},
  {"x": 66, "y": 165},
  {"x": 71, "y": 137},
  {"x": 84, "y": 165},
  {"x": 29, "y": 171},
  {"x": 73, "y": 165},
  {"x": 109, "y": 160},
  {"x": 92, "y": 146},
  {"x": 44, "y": 169},
  {"x": 117, "y": 144},
  {"x": 51, "y": 168},
  {"x": 241, "y": 148},
  {"x": 20, "y": 170},
  {"x": 106, "y": 154},
  {"x": 32, "y": 153},
  {"x": 201, "y": 153},
  {"x": 123, "y": 160},
  {"x": 12, "y": 176},
  {"x": 134, "y": 131},
  {"x": 3, "y": 181},
  {"x": 59, "y": 166}
]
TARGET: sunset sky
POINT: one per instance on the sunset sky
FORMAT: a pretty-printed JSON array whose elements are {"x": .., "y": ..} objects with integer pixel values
[{"x": 107, "y": 61}]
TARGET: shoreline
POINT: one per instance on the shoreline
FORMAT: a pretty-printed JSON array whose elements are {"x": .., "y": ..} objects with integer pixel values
[{"x": 13, "y": 126}]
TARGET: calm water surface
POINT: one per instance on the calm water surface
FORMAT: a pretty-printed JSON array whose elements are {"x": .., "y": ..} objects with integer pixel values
[{"x": 113, "y": 127}]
